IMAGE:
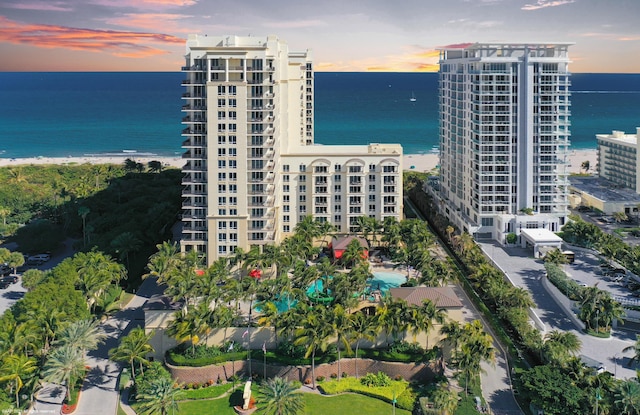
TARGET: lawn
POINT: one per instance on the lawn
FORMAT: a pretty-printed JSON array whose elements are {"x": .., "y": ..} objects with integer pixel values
[{"x": 314, "y": 405}]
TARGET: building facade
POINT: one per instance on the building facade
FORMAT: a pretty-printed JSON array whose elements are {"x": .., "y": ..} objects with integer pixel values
[
  {"x": 618, "y": 159},
  {"x": 252, "y": 169},
  {"x": 504, "y": 137}
]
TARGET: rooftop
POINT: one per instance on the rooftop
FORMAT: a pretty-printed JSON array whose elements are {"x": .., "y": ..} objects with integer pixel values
[
  {"x": 442, "y": 297},
  {"x": 604, "y": 190}
]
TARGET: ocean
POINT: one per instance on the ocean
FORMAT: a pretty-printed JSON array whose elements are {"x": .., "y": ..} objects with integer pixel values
[{"x": 76, "y": 113}]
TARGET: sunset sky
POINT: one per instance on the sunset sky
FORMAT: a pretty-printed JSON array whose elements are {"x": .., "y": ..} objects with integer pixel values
[{"x": 344, "y": 35}]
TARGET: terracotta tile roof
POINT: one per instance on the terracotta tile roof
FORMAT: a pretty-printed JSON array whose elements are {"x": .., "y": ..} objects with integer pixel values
[
  {"x": 442, "y": 297},
  {"x": 342, "y": 242}
]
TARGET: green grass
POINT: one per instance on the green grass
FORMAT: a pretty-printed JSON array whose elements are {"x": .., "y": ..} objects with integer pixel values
[
  {"x": 314, "y": 405},
  {"x": 120, "y": 410},
  {"x": 208, "y": 392}
]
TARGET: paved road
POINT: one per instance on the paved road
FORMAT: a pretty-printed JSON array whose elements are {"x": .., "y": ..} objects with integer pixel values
[
  {"x": 526, "y": 272},
  {"x": 99, "y": 394}
]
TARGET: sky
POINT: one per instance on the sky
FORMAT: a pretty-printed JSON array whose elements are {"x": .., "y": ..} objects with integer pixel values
[{"x": 343, "y": 35}]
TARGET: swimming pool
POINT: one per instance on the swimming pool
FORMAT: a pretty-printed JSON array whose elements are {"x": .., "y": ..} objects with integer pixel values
[{"x": 383, "y": 280}]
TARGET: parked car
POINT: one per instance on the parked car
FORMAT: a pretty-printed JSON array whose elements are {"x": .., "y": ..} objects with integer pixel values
[
  {"x": 11, "y": 279},
  {"x": 4, "y": 270},
  {"x": 4, "y": 285},
  {"x": 38, "y": 259}
]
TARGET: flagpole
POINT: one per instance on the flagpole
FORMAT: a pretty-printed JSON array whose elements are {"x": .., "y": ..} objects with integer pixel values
[{"x": 264, "y": 364}]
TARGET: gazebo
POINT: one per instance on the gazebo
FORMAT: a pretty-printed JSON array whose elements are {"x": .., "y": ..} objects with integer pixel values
[{"x": 339, "y": 244}]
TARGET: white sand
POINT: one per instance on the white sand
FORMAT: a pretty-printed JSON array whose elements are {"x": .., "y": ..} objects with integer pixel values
[{"x": 420, "y": 162}]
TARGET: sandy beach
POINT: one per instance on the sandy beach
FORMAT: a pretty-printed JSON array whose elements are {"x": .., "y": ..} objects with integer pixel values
[{"x": 413, "y": 162}]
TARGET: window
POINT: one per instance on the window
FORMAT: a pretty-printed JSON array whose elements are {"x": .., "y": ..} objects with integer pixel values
[
  {"x": 233, "y": 212},
  {"x": 221, "y": 103},
  {"x": 285, "y": 188},
  {"x": 232, "y": 128},
  {"x": 338, "y": 167},
  {"x": 222, "y": 188},
  {"x": 285, "y": 167},
  {"x": 285, "y": 218},
  {"x": 337, "y": 218},
  {"x": 302, "y": 178},
  {"x": 232, "y": 89},
  {"x": 222, "y": 250},
  {"x": 221, "y": 115},
  {"x": 233, "y": 224},
  {"x": 221, "y": 89},
  {"x": 372, "y": 187},
  {"x": 222, "y": 152},
  {"x": 222, "y": 225},
  {"x": 233, "y": 188},
  {"x": 222, "y": 176},
  {"x": 285, "y": 208},
  {"x": 222, "y": 212},
  {"x": 233, "y": 201},
  {"x": 285, "y": 178},
  {"x": 337, "y": 188},
  {"x": 285, "y": 199},
  {"x": 372, "y": 208},
  {"x": 222, "y": 200},
  {"x": 337, "y": 198},
  {"x": 286, "y": 228},
  {"x": 302, "y": 208},
  {"x": 233, "y": 164},
  {"x": 232, "y": 115},
  {"x": 233, "y": 176},
  {"x": 372, "y": 198},
  {"x": 222, "y": 237},
  {"x": 222, "y": 164},
  {"x": 372, "y": 167},
  {"x": 337, "y": 178},
  {"x": 303, "y": 198},
  {"x": 303, "y": 167},
  {"x": 222, "y": 128},
  {"x": 232, "y": 139},
  {"x": 337, "y": 208},
  {"x": 232, "y": 102},
  {"x": 303, "y": 188},
  {"x": 233, "y": 152},
  {"x": 389, "y": 169},
  {"x": 372, "y": 177},
  {"x": 222, "y": 139},
  {"x": 233, "y": 237}
]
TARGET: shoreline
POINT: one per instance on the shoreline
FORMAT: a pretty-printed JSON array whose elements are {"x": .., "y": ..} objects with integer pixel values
[{"x": 411, "y": 162}]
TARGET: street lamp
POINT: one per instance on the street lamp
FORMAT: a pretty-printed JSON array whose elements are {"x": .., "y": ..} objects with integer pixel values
[{"x": 615, "y": 365}]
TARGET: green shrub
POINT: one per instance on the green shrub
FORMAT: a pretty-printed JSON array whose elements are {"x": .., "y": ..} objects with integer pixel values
[
  {"x": 399, "y": 390},
  {"x": 379, "y": 379}
]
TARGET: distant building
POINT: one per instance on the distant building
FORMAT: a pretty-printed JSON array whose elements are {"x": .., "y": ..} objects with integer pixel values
[
  {"x": 618, "y": 159},
  {"x": 504, "y": 137},
  {"x": 252, "y": 170}
]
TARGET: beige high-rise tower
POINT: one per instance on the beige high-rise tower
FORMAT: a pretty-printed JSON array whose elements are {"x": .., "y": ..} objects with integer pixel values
[{"x": 252, "y": 170}]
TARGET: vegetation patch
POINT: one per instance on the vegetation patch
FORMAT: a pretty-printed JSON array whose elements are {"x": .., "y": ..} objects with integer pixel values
[{"x": 388, "y": 390}]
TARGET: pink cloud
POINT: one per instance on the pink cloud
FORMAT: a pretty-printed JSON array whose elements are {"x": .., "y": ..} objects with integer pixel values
[
  {"x": 119, "y": 43},
  {"x": 55, "y": 6},
  {"x": 541, "y": 4},
  {"x": 150, "y": 21}
]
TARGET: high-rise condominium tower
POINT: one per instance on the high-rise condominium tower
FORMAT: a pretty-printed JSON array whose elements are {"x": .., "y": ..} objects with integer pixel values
[
  {"x": 504, "y": 136},
  {"x": 252, "y": 170}
]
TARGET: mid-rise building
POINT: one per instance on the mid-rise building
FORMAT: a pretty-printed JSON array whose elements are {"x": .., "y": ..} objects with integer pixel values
[
  {"x": 252, "y": 169},
  {"x": 618, "y": 159},
  {"x": 504, "y": 136}
]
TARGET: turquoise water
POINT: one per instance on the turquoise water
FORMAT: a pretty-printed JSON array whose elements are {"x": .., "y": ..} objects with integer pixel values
[
  {"x": 64, "y": 113},
  {"x": 384, "y": 280}
]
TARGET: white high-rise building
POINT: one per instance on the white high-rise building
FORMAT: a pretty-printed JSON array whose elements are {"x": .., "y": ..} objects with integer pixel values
[
  {"x": 504, "y": 137},
  {"x": 619, "y": 158},
  {"x": 252, "y": 169}
]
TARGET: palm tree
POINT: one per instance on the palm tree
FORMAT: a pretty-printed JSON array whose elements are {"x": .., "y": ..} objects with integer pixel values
[
  {"x": 354, "y": 253},
  {"x": 280, "y": 397},
  {"x": 134, "y": 347},
  {"x": 83, "y": 211},
  {"x": 362, "y": 328},
  {"x": 124, "y": 244},
  {"x": 555, "y": 256},
  {"x": 313, "y": 334},
  {"x": 424, "y": 317},
  {"x": 445, "y": 399},
  {"x": 161, "y": 397},
  {"x": 83, "y": 335},
  {"x": 620, "y": 217},
  {"x": 47, "y": 325},
  {"x": 341, "y": 328},
  {"x": 155, "y": 166},
  {"x": 17, "y": 369},
  {"x": 393, "y": 317},
  {"x": 64, "y": 366},
  {"x": 627, "y": 397},
  {"x": 163, "y": 262},
  {"x": 560, "y": 345},
  {"x": 269, "y": 316},
  {"x": 633, "y": 348}
]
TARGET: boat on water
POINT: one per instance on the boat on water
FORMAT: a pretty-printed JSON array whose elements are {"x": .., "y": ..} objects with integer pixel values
[{"x": 413, "y": 97}]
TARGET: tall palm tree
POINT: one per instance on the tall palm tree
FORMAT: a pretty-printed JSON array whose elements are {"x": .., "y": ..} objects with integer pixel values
[
  {"x": 279, "y": 397},
  {"x": 47, "y": 326},
  {"x": 362, "y": 328},
  {"x": 4, "y": 212},
  {"x": 83, "y": 335},
  {"x": 163, "y": 262},
  {"x": 425, "y": 316},
  {"x": 445, "y": 399},
  {"x": 314, "y": 335},
  {"x": 15, "y": 260},
  {"x": 560, "y": 345},
  {"x": 134, "y": 347},
  {"x": 83, "y": 211},
  {"x": 17, "y": 369},
  {"x": 124, "y": 244},
  {"x": 353, "y": 254},
  {"x": 64, "y": 366},
  {"x": 633, "y": 348},
  {"x": 393, "y": 317},
  {"x": 161, "y": 397},
  {"x": 627, "y": 397},
  {"x": 341, "y": 328},
  {"x": 475, "y": 346},
  {"x": 154, "y": 166}
]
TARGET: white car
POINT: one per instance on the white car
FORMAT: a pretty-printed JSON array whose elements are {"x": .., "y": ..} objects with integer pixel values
[{"x": 40, "y": 258}]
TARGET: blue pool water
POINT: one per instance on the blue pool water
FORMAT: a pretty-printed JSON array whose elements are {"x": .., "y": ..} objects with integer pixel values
[{"x": 383, "y": 280}]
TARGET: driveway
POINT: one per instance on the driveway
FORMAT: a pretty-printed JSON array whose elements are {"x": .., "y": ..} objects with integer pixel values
[{"x": 527, "y": 272}]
